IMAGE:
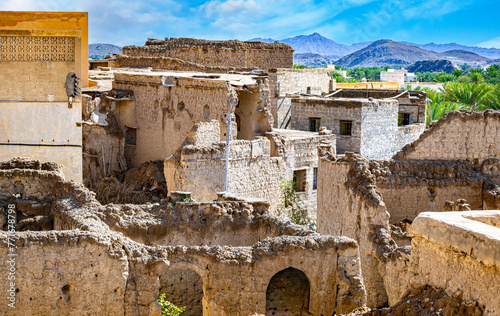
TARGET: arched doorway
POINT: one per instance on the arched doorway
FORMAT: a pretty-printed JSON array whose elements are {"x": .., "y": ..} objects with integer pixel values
[
  {"x": 288, "y": 293},
  {"x": 183, "y": 287}
]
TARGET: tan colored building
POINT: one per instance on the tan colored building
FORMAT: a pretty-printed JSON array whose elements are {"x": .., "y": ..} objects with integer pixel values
[
  {"x": 231, "y": 53},
  {"x": 38, "y": 50}
]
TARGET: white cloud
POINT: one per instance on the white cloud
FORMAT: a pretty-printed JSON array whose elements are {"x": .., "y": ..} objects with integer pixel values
[{"x": 493, "y": 43}]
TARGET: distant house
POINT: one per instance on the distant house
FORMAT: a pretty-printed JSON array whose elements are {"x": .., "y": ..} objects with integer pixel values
[{"x": 401, "y": 76}]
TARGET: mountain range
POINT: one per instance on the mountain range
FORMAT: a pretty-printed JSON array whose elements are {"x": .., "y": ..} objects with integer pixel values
[
  {"x": 382, "y": 52},
  {"x": 104, "y": 49}
]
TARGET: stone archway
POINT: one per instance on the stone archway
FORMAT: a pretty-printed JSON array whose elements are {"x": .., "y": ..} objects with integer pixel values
[
  {"x": 288, "y": 293},
  {"x": 183, "y": 287}
]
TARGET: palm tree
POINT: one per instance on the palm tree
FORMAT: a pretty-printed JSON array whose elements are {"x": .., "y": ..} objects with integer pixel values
[
  {"x": 491, "y": 100},
  {"x": 457, "y": 73},
  {"x": 468, "y": 95},
  {"x": 438, "y": 106},
  {"x": 476, "y": 77}
]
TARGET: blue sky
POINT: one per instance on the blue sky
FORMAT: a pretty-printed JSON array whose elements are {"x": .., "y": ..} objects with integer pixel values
[{"x": 125, "y": 22}]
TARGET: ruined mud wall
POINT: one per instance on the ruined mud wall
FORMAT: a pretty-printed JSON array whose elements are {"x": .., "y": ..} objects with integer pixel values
[
  {"x": 165, "y": 109},
  {"x": 51, "y": 275},
  {"x": 348, "y": 205},
  {"x": 235, "y": 223},
  {"x": 413, "y": 186},
  {"x": 252, "y": 171},
  {"x": 218, "y": 53},
  {"x": 171, "y": 63},
  {"x": 459, "y": 252},
  {"x": 360, "y": 198},
  {"x": 120, "y": 276},
  {"x": 284, "y": 81},
  {"x": 458, "y": 135},
  {"x": 300, "y": 152}
]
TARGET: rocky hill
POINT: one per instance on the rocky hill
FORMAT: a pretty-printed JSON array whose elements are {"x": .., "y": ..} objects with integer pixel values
[
  {"x": 494, "y": 62},
  {"x": 460, "y": 56},
  {"x": 386, "y": 52},
  {"x": 104, "y": 49},
  {"x": 310, "y": 59},
  {"x": 317, "y": 44},
  {"x": 440, "y": 48},
  {"x": 433, "y": 66}
]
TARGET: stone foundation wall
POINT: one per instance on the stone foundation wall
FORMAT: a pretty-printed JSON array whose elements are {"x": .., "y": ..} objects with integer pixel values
[
  {"x": 412, "y": 102},
  {"x": 330, "y": 112}
]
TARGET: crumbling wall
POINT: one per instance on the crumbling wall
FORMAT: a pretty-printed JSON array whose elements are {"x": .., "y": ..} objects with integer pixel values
[
  {"x": 458, "y": 252},
  {"x": 458, "y": 135},
  {"x": 121, "y": 276},
  {"x": 50, "y": 274},
  {"x": 409, "y": 187},
  {"x": 231, "y": 53},
  {"x": 165, "y": 109},
  {"x": 359, "y": 198},
  {"x": 172, "y": 63},
  {"x": 348, "y": 205},
  {"x": 253, "y": 111},
  {"x": 252, "y": 171},
  {"x": 102, "y": 139}
]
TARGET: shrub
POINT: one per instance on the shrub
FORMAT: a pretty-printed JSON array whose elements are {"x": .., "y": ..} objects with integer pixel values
[{"x": 169, "y": 309}]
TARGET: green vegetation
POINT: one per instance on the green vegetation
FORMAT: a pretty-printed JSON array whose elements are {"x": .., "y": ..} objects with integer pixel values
[
  {"x": 185, "y": 199},
  {"x": 169, "y": 309},
  {"x": 292, "y": 206},
  {"x": 472, "y": 75},
  {"x": 461, "y": 96}
]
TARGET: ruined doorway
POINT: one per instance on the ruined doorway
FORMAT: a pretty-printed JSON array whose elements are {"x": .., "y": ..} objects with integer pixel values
[
  {"x": 288, "y": 294},
  {"x": 246, "y": 111},
  {"x": 183, "y": 287}
]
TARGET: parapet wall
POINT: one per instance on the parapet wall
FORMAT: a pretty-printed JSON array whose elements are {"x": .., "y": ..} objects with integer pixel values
[
  {"x": 458, "y": 135},
  {"x": 459, "y": 252},
  {"x": 218, "y": 53}
]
